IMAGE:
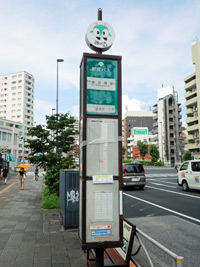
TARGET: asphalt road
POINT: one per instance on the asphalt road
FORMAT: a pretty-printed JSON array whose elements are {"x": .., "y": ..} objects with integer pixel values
[{"x": 167, "y": 214}]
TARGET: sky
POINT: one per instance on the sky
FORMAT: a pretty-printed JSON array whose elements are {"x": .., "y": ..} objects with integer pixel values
[{"x": 153, "y": 37}]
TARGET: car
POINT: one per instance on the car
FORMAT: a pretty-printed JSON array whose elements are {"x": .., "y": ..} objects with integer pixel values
[
  {"x": 134, "y": 175},
  {"x": 189, "y": 175}
]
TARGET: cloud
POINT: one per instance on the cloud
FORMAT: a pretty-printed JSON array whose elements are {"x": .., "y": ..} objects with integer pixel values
[{"x": 130, "y": 104}]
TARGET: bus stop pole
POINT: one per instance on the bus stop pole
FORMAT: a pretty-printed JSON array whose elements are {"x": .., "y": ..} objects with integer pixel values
[{"x": 99, "y": 257}]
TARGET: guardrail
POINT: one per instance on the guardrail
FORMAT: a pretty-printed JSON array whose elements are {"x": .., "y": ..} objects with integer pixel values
[{"x": 177, "y": 260}]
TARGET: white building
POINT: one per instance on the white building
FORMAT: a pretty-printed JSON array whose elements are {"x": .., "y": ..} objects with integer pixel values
[
  {"x": 17, "y": 98},
  {"x": 17, "y": 105},
  {"x": 167, "y": 125},
  {"x": 10, "y": 142}
]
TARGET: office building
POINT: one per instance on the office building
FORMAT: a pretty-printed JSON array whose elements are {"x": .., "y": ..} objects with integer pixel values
[
  {"x": 192, "y": 103},
  {"x": 167, "y": 126}
]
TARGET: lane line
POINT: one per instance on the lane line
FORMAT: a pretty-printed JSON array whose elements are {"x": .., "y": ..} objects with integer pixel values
[
  {"x": 171, "y": 191},
  {"x": 163, "y": 208},
  {"x": 165, "y": 185},
  {"x": 7, "y": 187}
]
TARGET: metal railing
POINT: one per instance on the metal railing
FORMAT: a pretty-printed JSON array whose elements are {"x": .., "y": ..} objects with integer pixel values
[{"x": 177, "y": 260}]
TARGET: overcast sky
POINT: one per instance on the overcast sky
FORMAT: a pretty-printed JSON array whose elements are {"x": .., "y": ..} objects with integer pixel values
[{"x": 153, "y": 37}]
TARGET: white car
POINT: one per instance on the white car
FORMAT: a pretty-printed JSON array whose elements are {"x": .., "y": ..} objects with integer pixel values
[{"x": 189, "y": 175}]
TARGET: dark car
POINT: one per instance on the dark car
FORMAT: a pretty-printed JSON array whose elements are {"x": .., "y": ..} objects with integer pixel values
[{"x": 134, "y": 175}]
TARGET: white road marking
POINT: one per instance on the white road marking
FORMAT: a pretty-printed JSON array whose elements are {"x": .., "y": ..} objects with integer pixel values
[
  {"x": 161, "y": 207},
  {"x": 174, "y": 192},
  {"x": 165, "y": 185}
]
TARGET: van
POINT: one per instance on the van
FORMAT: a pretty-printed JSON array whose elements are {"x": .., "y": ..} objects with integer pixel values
[
  {"x": 134, "y": 175},
  {"x": 189, "y": 175}
]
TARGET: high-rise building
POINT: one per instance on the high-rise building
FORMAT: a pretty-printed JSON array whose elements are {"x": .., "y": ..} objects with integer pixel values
[
  {"x": 17, "y": 98},
  {"x": 167, "y": 125},
  {"x": 192, "y": 103}
]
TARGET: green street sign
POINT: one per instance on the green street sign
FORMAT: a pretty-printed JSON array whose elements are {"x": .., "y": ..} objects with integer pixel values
[
  {"x": 140, "y": 131},
  {"x": 102, "y": 86}
]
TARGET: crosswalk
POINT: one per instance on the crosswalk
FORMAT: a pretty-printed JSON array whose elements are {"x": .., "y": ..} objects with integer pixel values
[{"x": 167, "y": 175}]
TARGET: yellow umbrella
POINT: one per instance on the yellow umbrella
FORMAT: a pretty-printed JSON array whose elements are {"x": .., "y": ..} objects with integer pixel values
[{"x": 24, "y": 166}]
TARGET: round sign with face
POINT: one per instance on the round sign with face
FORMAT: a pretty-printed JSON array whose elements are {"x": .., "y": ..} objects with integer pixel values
[{"x": 100, "y": 36}]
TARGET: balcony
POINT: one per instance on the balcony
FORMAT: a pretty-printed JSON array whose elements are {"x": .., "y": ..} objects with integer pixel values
[
  {"x": 191, "y": 101},
  {"x": 190, "y": 85},
  {"x": 191, "y": 93},
  {"x": 192, "y": 146},
  {"x": 191, "y": 119},
  {"x": 193, "y": 127},
  {"x": 190, "y": 137},
  {"x": 189, "y": 111}
]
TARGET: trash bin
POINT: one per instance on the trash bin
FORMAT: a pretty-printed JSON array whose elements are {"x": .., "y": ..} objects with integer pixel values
[{"x": 69, "y": 197}]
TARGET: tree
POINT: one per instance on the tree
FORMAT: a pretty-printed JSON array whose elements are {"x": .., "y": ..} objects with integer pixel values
[
  {"x": 154, "y": 152},
  {"x": 50, "y": 147},
  {"x": 186, "y": 155},
  {"x": 143, "y": 148},
  {"x": 123, "y": 151}
]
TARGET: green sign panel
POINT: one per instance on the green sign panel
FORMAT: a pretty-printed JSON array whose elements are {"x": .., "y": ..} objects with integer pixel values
[
  {"x": 140, "y": 131},
  {"x": 102, "y": 86}
]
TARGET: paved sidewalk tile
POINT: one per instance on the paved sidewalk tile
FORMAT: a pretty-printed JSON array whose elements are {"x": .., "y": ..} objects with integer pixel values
[{"x": 33, "y": 237}]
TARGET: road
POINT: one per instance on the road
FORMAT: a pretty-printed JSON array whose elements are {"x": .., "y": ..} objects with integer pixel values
[{"x": 168, "y": 214}]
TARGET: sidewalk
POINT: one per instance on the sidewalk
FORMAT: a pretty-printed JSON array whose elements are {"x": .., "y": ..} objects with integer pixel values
[{"x": 31, "y": 237}]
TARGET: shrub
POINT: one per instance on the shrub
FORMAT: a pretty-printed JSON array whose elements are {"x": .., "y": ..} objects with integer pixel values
[
  {"x": 49, "y": 201},
  {"x": 127, "y": 160},
  {"x": 158, "y": 163}
]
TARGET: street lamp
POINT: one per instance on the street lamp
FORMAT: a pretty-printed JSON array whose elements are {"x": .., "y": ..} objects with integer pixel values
[
  {"x": 53, "y": 110},
  {"x": 58, "y": 60}
]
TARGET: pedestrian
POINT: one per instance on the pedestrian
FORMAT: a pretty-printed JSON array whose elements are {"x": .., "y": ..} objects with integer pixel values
[
  {"x": 22, "y": 175},
  {"x": 5, "y": 174},
  {"x": 36, "y": 173}
]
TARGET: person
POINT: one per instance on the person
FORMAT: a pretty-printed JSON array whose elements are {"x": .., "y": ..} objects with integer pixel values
[
  {"x": 5, "y": 174},
  {"x": 21, "y": 175},
  {"x": 36, "y": 173}
]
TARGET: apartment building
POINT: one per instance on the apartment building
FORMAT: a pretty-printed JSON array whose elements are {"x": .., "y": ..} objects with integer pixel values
[
  {"x": 167, "y": 126},
  {"x": 192, "y": 103},
  {"x": 17, "y": 98}
]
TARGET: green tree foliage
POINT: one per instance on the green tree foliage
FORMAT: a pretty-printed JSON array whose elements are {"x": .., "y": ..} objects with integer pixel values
[
  {"x": 154, "y": 152},
  {"x": 123, "y": 151},
  {"x": 50, "y": 146},
  {"x": 186, "y": 155},
  {"x": 143, "y": 148}
]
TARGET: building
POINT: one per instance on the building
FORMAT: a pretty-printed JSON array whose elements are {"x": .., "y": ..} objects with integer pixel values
[
  {"x": 17, "y": 102},
  {"x": 10, "y": 143},
  {"x": 133, "y": 120},
  {"x": 17, "y": 98},
  {"x": 192, "y": 103},
  {"x": 167, "y": 126}
]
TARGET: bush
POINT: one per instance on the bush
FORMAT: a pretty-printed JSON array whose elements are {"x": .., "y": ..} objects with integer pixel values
[
  {"x": 158, "y": 163},
  {"x": 49, "y": 201},
  {"x": 127, "y": 160}
]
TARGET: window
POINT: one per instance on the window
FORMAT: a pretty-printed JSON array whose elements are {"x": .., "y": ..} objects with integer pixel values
[
  {"x": 19, "y": 110},
  {"x": 13, "y": 88},
  {"x": 12, "y": 117},
  {"x": 19, "y": 81},
  {"x": 9, "y": 137},
  {"x": 13, "y": 111},
  {"x": 20, "y": 87},
  {"x": 3, "y": 136},
  {"x": 13, "y": 82},
  {"x": 19, "y": 93},
  {"x": 195, "y": 166},
  {"x": 13, "y": 105},
  {"x": 13, "y": 99},
  {"x": 14, "y": 76},
  {"x": 19, "y": 75},
  {"x": 184, "y": 166},
  {"x": 13, "y": 93}
]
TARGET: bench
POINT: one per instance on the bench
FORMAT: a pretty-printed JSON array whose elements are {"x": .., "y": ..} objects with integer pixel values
[{"x": 118, "y": 256}]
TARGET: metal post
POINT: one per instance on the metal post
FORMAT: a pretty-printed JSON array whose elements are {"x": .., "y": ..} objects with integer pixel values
[
  {"x": 99, "y": 14},
  {"x": 161, "y": 141},
  {"x": 99, "y": 257}
]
